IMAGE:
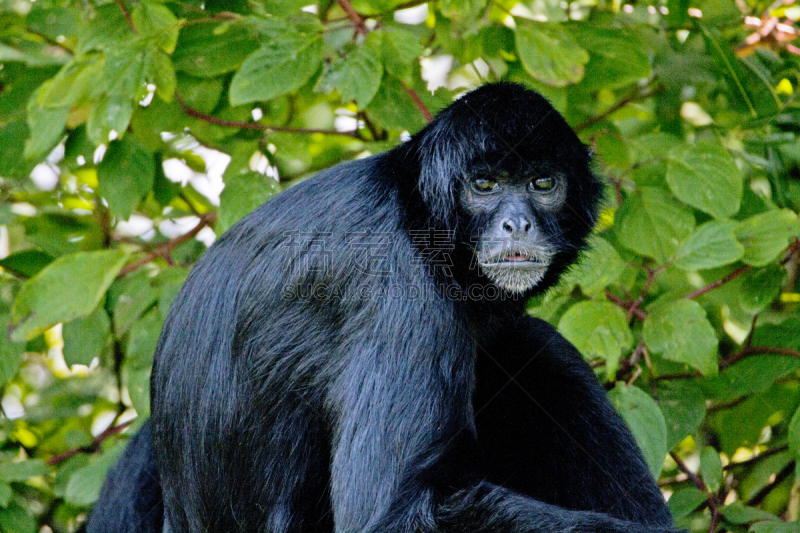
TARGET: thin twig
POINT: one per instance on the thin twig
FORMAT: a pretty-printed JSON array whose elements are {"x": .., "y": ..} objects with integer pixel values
[
  {"x": 94, "y": 447},
  {"x": 758, "y": 350},
  {"x": 757, "y": 458},
  {"x": 764, "y": 492},
  {"x": 353, "y": 15},
  {"x": 694, "y": 478},
  {"x": 634, "y": 97},
  {"x": 414, "y": 96},
  {"x": 127, "y": 15},
  {"x": 211, "y": 119},
  {"x": 619, "y": 302},
  {"x": 711, "y": 286},
  {"x": 166, "y": 248}
]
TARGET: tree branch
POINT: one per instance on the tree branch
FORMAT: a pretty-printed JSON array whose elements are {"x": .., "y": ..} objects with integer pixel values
[
  {"x": 126, "y": 14},
  {"x": 694, "y": 478},
  {"x": 94, "y": 447},
  {"x": 764, "y": 492},
  {"x": 353, "y": 15},
  {"x": 166, "y": 248},
  {"x": 711, "y": 286},
  {"x": 211, "y": 119},
  {"x": 633, "y": 97},
  {"x": 758, "y": 350},
  {"x": 414, "y": 96}
]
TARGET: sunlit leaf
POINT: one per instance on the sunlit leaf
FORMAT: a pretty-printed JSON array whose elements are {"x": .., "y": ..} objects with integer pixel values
[
  {"x": 646, "y": 422},
  {"x": 550, "y": 54},
  {"x": 680, "y": 331},
  {"x": 70, "y": 287}
]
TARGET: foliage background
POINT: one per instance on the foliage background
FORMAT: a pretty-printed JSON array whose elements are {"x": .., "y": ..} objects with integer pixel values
[{"x": 121, "y": 121}]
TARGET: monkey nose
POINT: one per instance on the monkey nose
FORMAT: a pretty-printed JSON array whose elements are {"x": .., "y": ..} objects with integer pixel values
[{"x": 516, "y": 226}]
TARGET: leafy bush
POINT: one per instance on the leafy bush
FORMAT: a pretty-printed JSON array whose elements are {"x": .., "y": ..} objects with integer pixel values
[{"x": 120, "y": 121}]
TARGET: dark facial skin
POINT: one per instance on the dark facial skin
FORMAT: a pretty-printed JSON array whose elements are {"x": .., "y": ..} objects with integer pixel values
[{"x": 512, "y": 246}]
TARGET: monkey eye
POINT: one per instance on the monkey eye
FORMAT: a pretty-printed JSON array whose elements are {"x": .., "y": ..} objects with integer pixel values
[
  {"x": 484, "y": 186},
  {"x": 542, "y": 184}
]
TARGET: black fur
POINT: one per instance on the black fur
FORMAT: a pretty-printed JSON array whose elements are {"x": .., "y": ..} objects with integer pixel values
[{"x": 331, "y": 364}]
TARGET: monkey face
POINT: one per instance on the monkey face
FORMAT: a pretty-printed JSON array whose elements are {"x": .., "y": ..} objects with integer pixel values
[{"x": 514, "y": 229}]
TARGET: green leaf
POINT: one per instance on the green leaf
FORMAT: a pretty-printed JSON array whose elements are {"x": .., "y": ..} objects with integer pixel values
[
  {"x": 616, "y": 59},
  {"x": 775, "y": 527},
  {"x": 753, "y": 374},
  {"x": 12, "y": 146},
  {"x": 129, "y": 297},
  {"x": 765, "y": 235},
  {"x": 652, "y": 223},
  {"x": 711, "y": 245},
  {"x": 711, "y": 468},
  {"x": 599, "y": 267},
  {"x": 124, "y": 70},
  {"x": 143, "y": 339},
  {"x": 22, "y": 470},
  {"x": 278, "y": 67},
  {"x": 759, "y": 287},
  {"x": 85, "y": 483},
  {"x": 598, "y": 329},
  {"x": 747, "y": 85},
  {"x": 684, "y": 408},
  {"x": 46, "y": 128},
  {"x": 242, "y": 194},
  {"x": 70, "y": 287},
  {"x": 399, "y": 51},
  {"x": 208, "y": 50},
  {"x": 794, "y": 434},
  {"x": 27, "y": 263},
  {"x": 16, "y": 519},
  {"x": 85, "y": 338},
  {"x": 156, "y": 22},
  {"x": 107, "y": 30},
  {"x": 680, "y": 331},
  {"x": 684, "y": 501},
  {"x": 160, "y": 71},
  {"x": 10, "y": 352},
  {"x": 646, "y": 422},
  {"x": 109, "y": 113},
  {"x": 62, "y": 232},
  {"x": 705, "y": 176},
  {"x": 739, "y": 513},
  {"x": 783, "y": 335},
  {"x": 358, "y": 76},
  {"x": 550, "y": 54},
  {"x": 200, "y": 94},
  {"x": 74, "y": 84},
  {"x": 393, "y": 108},
  {"x": 126, "y": 174},
  {"x": 6, "y": 493}
]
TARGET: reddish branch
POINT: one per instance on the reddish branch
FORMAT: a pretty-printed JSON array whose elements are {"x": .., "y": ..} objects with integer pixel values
[
  {"x": 779, "y": 478},
  {"x": 757, "y": 458},
  {"x": 165, "y": 249},
  {"x": 694, "y": 478},
  {"x": 758, "y": 350},
  {"x": 94, "y": 447},
  {"x": 634, "y": 97},
  {"x": 711, "y": 286},
  {"x": 353, "y": 15},
  {"x": 628, "y": 306},
  {"x": 414, "y": 96},
  {"x": 211, "y": 119},
  {"x": 127, "y": 15}
]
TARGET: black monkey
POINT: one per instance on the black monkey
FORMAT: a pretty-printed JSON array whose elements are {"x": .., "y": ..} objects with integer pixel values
[{"x": 354, "y": 356}]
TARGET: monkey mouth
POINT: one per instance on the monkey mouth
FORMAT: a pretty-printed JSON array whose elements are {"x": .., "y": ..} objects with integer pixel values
[{"x": 515, "y": 259}]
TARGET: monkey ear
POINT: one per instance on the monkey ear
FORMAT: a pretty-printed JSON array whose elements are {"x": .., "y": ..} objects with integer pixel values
[{"x": 445, "y": 153}]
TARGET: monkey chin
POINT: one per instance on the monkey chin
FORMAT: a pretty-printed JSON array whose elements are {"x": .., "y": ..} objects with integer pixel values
[{"x": 514, "y": 279}]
